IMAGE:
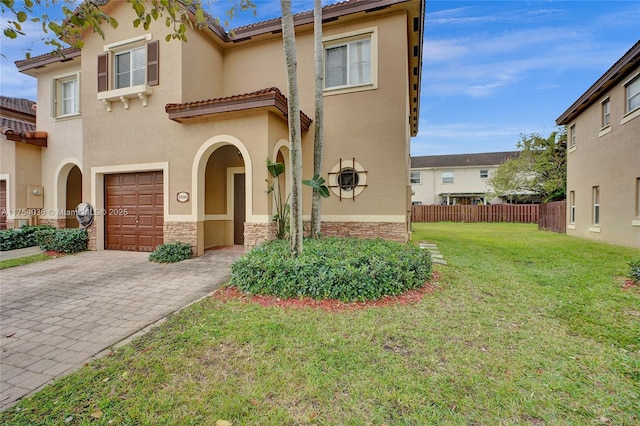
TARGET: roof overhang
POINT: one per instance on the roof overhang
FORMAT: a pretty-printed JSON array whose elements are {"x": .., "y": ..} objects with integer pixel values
[
  {"x": 27, "y": 66},
  {"x": 267, "y": 99},
  {"x": 31, "y": 138},
  {"x": 613, "y": 76}
]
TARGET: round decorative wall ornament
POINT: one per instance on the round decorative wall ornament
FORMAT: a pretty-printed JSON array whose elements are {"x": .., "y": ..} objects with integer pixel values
[
  {"x": 347, "y": 179},
  {"x": 182, "y": 197}
]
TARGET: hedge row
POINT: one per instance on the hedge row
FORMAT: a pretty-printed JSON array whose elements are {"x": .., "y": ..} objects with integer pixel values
[
  {"x": 346, "y": 269},
  {"x": 11, "y": 239},
  {"x": 65, "y": 240}
]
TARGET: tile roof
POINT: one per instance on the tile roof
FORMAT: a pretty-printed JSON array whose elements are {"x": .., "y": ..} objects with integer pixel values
[
  {"x": 17, "y": 115},
  {"x": 462, "y": 160},
  {"x": 22, "y": 105},
  {"x": 265, "y": 98}
]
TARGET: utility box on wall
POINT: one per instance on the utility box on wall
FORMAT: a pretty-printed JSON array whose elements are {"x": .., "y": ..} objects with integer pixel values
[{"x": 35, "y": 197}]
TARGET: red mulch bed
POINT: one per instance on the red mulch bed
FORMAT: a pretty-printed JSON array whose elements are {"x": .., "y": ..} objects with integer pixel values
[
  {"x": 329, "y": 305},
  {"x": 54, "y": 254},
  {"x": 630, "y": 284}
]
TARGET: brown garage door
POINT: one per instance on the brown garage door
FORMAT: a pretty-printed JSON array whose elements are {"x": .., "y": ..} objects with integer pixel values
[
  {"x": 134, "y": 211},
  {"x": 3, "y": 204}
]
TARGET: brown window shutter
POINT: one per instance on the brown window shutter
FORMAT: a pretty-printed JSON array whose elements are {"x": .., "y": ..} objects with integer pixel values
[
  {"x": 103, "y": 72},
  {"x": 153, "y": 63}
]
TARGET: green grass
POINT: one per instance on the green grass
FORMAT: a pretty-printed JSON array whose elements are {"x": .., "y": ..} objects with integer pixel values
[
  {"x": 4, "y": 264},
  {"x": 527, "y": 327}
]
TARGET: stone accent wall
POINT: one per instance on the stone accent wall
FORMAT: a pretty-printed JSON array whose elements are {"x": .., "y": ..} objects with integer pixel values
[
  {"x": 393, "y": 231},
  {"x": 56, "y": 223},
  {"x": 184, "y": 232},
  {"x": 92, "y": 243},
  {"x": 256, "y": 233}
]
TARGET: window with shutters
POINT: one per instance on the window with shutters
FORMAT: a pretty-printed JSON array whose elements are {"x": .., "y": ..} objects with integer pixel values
[
  {"x": 127, "y": 70},
  {"x": 351, "y": 61},
  {"x": 65, "y": 92}
]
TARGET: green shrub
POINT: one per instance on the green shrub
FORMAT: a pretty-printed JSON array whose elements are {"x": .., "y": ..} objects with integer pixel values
[
  {"x": 64, "y": 240},
  {"x": 346, "y": 269},
  {"x": 11, "y": 239},
  {"x": 635, "y": 270},
  {"x": 171, "y": 252}
]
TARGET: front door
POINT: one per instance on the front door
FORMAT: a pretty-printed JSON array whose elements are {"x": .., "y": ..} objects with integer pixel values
[{"x": 239, "y": 207}]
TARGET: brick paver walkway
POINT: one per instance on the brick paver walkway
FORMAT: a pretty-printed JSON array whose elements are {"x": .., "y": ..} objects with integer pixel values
[{"x": 58, "y": 314}]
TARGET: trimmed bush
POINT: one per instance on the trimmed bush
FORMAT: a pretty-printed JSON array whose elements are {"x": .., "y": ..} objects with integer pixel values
[
  {"x": 634, "y": 273},
  {"x": 64, "y": 240},
  {"x": 346, "y": 269},
  {"x": 11, "y": 239},
  {"x": 171, "y": 252}
]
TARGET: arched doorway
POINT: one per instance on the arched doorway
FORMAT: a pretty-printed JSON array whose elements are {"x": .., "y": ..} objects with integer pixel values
[
  {"x": 73, "y": 196},
  {"x": 225, "y": 196}
]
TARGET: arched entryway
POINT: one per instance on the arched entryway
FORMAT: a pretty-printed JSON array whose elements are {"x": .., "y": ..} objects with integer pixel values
[
  {"x": 222, "y": 177},
  {"x": 73, "y": 196},
  {"x": 68, "y": 192}
]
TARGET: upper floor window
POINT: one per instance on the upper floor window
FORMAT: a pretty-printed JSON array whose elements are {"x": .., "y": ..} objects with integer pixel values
[
  {"x": 348, "y": 64},
  {"x": 131, "y": 63},
  {"x": 484, "y": 174},
  {"x": 447, "y": 177},
  {"x": 606, "y": 113},
  {"x": 416, "y": 178},
  {"x": 572, "y": 136},
  {"x": 66, "y": 96},
  {"x": 130, "y": 68},
  {"x": 633, "y": 94}
]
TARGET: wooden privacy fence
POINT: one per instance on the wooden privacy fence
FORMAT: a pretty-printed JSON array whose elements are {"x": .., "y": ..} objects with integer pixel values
[
  {"x": 553, "y": 217},
  {"x": 520, "y": 213}
]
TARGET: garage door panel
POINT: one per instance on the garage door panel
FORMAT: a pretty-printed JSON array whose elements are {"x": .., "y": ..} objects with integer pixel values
[
  {"x": 3, "y": 204},
  {"x": 141, "y": 229}
]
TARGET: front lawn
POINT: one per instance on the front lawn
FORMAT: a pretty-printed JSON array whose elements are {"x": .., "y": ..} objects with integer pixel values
[{"x": 527, "y": 327}]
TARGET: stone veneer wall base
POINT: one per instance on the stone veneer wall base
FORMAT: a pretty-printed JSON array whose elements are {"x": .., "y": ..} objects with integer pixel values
[{"x": 184, "y": 232}]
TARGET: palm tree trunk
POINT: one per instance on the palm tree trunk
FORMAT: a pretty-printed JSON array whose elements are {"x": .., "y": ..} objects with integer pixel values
[
  {"x": 288, "y": 36},
  {"x": 318, "y": 135}
]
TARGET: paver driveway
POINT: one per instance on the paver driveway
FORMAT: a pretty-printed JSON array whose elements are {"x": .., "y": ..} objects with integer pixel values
[{"x": 57, "y": 314}]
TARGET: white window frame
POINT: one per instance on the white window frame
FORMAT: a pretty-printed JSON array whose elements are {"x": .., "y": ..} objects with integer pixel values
[
  {"x": 345, "y": 39},
  {"x": 484, "y": 173},
  {"x": 572, "y": 207},
  {"x": 449, "y": 178},
  {"x": 57, "y": 93},
  {"x": 606, "y": 113},
  {"x": 132, "y": 70},
  {"x": 595, "y": 219},
  {"x": 413, "y": 179},
  {"x": 572, "y": 136},
  {"x": 628, "y": 96},
  {"x": 638, "y": 197}
]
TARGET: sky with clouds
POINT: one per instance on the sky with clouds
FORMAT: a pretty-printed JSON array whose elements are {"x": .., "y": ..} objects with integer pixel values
[{"x": 492, "y": 70}]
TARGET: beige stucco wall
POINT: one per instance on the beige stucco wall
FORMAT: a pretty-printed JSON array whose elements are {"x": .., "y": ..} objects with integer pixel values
[
  {"x": 609, "y": 159},
  {"x": 141, "y": 138},
  {"x": 64, "y": 144}
]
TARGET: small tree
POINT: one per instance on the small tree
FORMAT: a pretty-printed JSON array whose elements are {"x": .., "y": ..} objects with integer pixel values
[{"x": 541, "y": 168}]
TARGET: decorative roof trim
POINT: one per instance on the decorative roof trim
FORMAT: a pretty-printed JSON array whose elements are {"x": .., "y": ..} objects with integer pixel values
[
  {"x": 31, "y": 138},
  {"x": 48, "y": 58},
  {"x": 270, "y": 98},
  {"x": 613, "y": 76}
]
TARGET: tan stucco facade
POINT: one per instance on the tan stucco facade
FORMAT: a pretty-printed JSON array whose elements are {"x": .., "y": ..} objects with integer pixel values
[
  {"x": 127, "y": 130},
  {"x": 603, "y": 164}
]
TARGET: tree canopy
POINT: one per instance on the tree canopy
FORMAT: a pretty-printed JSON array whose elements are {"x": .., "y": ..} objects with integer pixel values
[
  {"x": 541, "y": 168},
  {"x": 80, "y": 16}
]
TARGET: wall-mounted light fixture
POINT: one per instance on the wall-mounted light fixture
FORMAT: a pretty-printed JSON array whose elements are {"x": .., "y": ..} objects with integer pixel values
[{"x": 36, "y": 192}]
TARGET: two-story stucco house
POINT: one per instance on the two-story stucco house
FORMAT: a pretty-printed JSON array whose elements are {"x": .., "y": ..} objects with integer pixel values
[
  {"x": 168, "y": 141},
  {"x": 455, "y": 179},
  {"x": 603, "y": 160}
]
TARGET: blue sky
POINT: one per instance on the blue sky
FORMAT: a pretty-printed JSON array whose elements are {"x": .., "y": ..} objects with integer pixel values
[{"x": 492, "y": 70}]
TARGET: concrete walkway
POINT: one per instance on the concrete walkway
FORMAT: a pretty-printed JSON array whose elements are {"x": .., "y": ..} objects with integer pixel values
[
  {"x": 58, "y": 314},
  {"x": 15, "y": 254}
]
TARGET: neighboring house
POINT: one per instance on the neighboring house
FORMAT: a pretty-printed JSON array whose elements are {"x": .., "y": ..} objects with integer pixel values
[
  {"x": 603, "y": 160},
  {"x": 20, "y": 152},
  {"x": 455, "y": 179},
  {"x": 168, "y": 141}
]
